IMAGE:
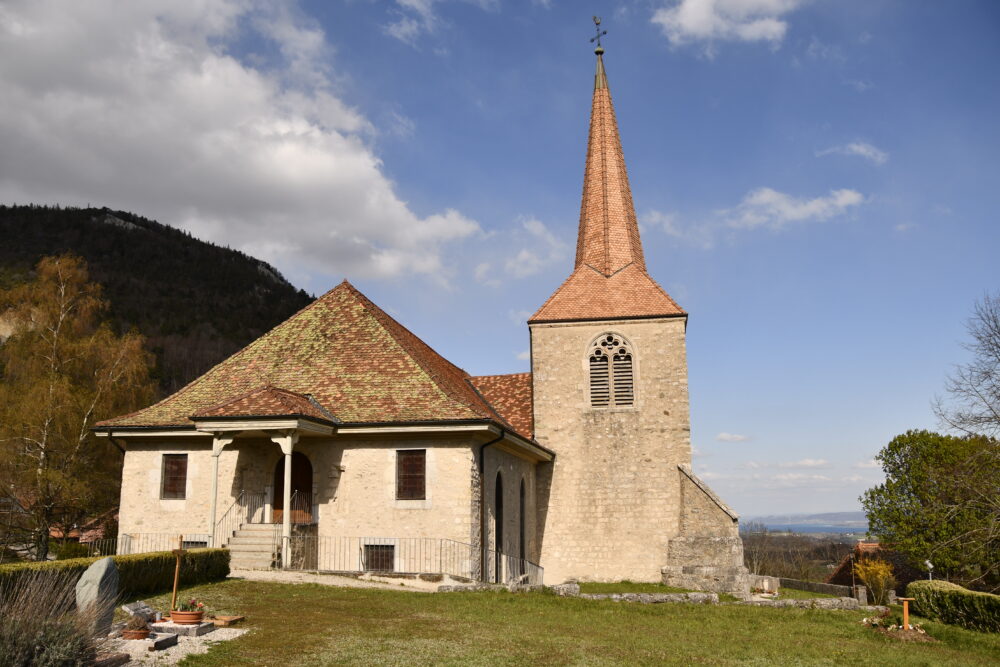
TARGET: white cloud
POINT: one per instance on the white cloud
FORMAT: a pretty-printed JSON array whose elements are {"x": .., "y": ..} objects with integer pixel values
[
  {"x": 860, "y": 85},
  {"x": 767, "y": 207},
  {"x": 859, "y": 148},
  {"x": 160, "y": 118},
  {"x": 524, "y": 355},
  {"x": 806, "y": 463},
  {"x": 518, "y": 317},
  {"x": 414, "y": 18},
  {"x": 484, "y": 276},
  {"x": 870, "y": 463},
  {"x": 731, "y": 437},
  {"x": 799, "y": 477},
  {"x": 544, "y": 250},
  {"x": 710, "y": 21},
  {"x": 903, "y": 227}
]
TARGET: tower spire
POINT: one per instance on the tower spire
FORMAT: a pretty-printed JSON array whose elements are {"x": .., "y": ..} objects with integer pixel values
[
  {"x": 609, "y": 279},
  {"x": 608, "y": 238}
]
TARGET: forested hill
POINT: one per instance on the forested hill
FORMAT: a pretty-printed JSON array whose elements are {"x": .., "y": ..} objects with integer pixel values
[{"x": 196, "y": 302}]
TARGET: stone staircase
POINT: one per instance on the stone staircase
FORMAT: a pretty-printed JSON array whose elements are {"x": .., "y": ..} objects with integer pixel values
[{"x": 253, "y": 547}]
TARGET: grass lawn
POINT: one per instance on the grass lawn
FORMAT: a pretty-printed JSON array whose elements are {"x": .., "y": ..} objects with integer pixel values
[
  {"x": 796, "y": 594},
  {"x": 309, "y": 624},
  {"x": 628, "y": 587}
]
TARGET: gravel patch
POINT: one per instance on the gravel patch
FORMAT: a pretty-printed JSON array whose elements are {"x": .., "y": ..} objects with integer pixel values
[{"x": 141, "y": 655}]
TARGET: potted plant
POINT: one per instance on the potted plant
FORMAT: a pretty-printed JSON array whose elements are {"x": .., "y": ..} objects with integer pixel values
[
  {"x": 188, "y": 613},
  {"x": 136, "y": 628}
]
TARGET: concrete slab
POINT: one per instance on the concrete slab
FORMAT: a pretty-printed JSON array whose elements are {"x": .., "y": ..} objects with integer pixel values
[{"x": 193, "y": 630}]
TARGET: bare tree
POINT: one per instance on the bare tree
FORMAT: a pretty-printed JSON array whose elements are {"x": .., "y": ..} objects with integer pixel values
[
  {"x": 975, "y": 386},
  {"x": 756, "y": 538}
]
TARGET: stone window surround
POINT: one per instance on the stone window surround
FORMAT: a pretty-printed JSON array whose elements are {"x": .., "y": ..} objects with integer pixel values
[
  {"x": 585, "y": 363},
  {"x": 164, "y": 457}
]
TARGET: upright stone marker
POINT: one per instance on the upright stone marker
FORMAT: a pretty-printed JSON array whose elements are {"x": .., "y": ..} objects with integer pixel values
[{"x": 97, "y": 592}]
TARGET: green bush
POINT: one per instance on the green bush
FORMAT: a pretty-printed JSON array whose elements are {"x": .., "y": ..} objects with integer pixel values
[
  {"x": 950, "y": 603},
  {"x": 138, "y": 573}
]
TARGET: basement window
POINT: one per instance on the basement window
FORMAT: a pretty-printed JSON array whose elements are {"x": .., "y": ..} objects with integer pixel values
[
  {"x": 173, "y": 484},
  {"x": 612, "y": 381},
  {"x": 411, "y": 478},
  {"x": 380, "y": 557}
]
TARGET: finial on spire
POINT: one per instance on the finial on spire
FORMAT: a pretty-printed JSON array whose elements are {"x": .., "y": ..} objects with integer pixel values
[{"x": 597, "y": 38}]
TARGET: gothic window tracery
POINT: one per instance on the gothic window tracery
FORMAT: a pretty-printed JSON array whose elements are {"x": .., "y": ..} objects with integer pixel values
[{"x": 611, "y": 372}]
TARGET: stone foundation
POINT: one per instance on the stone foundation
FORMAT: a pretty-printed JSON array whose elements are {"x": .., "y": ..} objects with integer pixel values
[{"x": 719, "y": 567}]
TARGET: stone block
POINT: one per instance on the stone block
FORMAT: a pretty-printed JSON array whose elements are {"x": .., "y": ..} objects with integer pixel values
[
  {"x": 96, "y": 594},
  {"x": 162, "y": 640}
]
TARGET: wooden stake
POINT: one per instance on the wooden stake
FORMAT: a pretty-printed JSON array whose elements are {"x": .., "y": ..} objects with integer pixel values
[
  {"x": 906, "y": 612},
  {"x": 179, "y": 551}
]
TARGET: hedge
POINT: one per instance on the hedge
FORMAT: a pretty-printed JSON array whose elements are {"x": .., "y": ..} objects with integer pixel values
[
  {"x": 138, "y": 574},
  {"x": 950, "y": 603}
]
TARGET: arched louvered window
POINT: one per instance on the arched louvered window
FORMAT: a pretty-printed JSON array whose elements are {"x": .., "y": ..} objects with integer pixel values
[{"x": 612, "y": 381}]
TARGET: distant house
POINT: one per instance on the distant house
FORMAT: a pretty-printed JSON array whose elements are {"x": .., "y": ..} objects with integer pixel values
[{"x": 843, "y": 573}]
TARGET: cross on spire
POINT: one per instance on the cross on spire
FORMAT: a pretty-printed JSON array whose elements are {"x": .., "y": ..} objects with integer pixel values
[{"x": 597, "y": 37}]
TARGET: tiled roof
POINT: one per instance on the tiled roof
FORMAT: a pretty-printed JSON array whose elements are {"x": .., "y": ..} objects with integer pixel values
[
  {"x": 267, "y": 402},
  {"x": 348, "y": 354},
  {"x": 609, "y": 280},
  {"x": 588, "y": 295},
  {"x": 511, "y": 396}
]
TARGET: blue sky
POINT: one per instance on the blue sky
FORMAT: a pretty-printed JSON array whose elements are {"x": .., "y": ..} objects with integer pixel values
[{"x": 816, "y": 181}]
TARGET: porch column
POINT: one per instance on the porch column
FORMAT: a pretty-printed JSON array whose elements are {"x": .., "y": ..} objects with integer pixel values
[
  {"x": 218, "y": 444},
  {"x": 287, "y": 443}
]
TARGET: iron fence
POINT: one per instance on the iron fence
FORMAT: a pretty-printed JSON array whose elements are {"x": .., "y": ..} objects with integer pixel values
[
  {"x": 407, "y": 555},
  {"x": 140, "y": 543}
]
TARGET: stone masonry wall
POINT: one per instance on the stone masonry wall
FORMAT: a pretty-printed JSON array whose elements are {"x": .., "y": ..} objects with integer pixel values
[{"x": 613, "y": 494}]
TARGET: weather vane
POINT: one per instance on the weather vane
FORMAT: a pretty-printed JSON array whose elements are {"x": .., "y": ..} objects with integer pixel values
[{"x": 600, "y": 33}]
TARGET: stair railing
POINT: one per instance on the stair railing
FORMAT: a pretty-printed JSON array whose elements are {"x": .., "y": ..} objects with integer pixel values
[{"x": 248, "y": 508}]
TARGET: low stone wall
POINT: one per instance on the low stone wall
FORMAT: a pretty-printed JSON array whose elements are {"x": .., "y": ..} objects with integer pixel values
[
  {"x": 816, "y": 587},
  {"x": 848, "y": 604}
]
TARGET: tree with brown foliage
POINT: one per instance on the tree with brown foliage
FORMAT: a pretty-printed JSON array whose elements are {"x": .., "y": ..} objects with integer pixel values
[{"x": 62, "y": 370}]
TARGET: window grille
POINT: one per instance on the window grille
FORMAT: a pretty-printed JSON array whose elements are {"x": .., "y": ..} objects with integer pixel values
[
  {"x": 612, "y": 381},
  {"x": 173, "y": 484},
  {"x": 411, "y": 466},
  {"x": 380, "y": 558}
]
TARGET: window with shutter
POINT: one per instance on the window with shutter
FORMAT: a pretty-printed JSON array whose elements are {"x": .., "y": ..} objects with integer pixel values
[
  {"x": 612, "y": 381},
  {"x": 411, "y": 466},
  {"x": 173, "y": 484}
]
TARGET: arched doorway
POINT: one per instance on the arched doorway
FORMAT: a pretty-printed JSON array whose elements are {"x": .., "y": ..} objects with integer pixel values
[
  {"x": 302, "y": 480},
  {"x": 498, "y": 526}
]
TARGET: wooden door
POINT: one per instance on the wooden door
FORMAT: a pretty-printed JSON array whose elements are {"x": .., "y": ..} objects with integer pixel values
[{"x": 302, "y": 475}]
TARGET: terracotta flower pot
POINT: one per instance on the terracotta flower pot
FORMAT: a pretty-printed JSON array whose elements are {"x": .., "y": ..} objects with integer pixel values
[
  {"x": 135, "y": 634},
  {"x": 186, "y": 617}
]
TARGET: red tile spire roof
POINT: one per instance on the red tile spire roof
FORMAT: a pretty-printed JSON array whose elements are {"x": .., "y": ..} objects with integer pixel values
[{"x": 609, "y": 280}]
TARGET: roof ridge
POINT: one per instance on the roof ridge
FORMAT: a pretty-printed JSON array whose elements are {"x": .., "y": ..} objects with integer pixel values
[
  {"x": 242, "y": 351},
  {"x": 499, "y": 375},
  {"x": 415, "y": 355}
]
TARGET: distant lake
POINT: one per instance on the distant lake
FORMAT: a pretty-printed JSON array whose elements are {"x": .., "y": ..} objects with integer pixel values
[{"x": 816, "y": 528}]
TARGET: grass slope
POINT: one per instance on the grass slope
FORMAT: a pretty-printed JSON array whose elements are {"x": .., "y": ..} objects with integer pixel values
[{"x": 310, "y": 624}]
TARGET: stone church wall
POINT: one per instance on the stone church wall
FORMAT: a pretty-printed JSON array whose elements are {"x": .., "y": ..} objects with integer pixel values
[
  {"x": 612, "y": 494},
  {"x": 513, "y": 469}
]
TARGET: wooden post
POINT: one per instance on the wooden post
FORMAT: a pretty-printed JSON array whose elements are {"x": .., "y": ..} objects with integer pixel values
[
  {"x": 906, "y": 611},
  {"x": 178, "y": 552}
]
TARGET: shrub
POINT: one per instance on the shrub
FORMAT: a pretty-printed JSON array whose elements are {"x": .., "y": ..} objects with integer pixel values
[
  {"x": 38, "y": 623},
  {"x": 138, "y": 573},
  {"x": 877, "y": 577},
  {"x": 950, "y": 603},
  {"x": 68, "y": 550}
]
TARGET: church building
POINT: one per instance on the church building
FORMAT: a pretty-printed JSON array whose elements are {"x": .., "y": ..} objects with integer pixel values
[{"x": 341, "y": 442}]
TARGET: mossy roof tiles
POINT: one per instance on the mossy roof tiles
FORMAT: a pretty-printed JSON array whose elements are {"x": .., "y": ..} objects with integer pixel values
[
  {"x": 511, "y": 396},
  {"x": 356, "y": 361}
]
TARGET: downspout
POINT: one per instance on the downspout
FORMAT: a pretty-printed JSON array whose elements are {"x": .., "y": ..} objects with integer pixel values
[
  {"x": 111, "y": 439},
  {"x": 482, "y": 502}
]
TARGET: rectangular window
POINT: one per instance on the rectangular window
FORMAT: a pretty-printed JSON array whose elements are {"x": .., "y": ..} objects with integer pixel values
[
  {"x": 411, "y": 465},
  {"x": 380, "y": 557},
  {"x": 174, "y": 478}
]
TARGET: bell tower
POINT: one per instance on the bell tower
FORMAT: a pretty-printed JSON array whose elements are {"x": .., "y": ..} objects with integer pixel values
[{"x": 609, "y": 374}]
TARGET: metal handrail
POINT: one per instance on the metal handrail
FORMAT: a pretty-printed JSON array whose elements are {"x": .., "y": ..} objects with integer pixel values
[{"x": 247, "y": 508}]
